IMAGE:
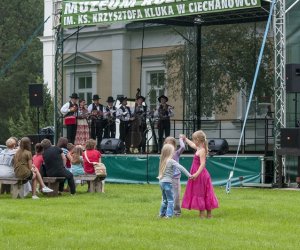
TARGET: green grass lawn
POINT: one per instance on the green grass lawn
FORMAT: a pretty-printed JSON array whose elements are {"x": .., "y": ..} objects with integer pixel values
[{"x": 126, "y": 217}]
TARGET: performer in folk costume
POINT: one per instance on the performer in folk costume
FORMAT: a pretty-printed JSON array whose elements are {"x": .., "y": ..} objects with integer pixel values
[
  {"x": 139, "y": 125},
  {"x": 83, "y": 133},
  {"x": 163, "y": 113},
  {"x": 71, "y": 109},
  {"x": 97, "y": 120},
  {"x": 110, "y": 118},
  {"x": 125, "y": 115}
]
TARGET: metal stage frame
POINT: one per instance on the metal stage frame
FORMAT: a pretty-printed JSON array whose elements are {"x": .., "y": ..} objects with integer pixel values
[{"x": 279, "y": 26}]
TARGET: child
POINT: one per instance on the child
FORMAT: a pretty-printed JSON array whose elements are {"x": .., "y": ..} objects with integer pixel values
[
  {"x": 90, "y": 155},
  {"x": 166, "y": 172},
  {"x": 76, "y": 161},
  {"x": 63, "y": 144},
  {"x": 37, "y": 159},
  {"x": 177, "y": 174},
  {"x": 199, "y": 193},
  {"x": 24, "y": 169}
]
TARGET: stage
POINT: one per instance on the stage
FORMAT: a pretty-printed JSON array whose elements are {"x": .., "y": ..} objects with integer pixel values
[{"x": 143, "y": 168}]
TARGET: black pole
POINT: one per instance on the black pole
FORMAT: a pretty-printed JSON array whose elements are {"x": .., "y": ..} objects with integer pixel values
[
  {"x": 38, "y": 123},
  {"x": 147, "y": 166},
  {"x": 75, "y": 58},
  {"x": 38, "y": 120},
  {"x": 142, "y": 55},
  {"x": 296, "y": 111},
  {"x": 198, "y": 90}
]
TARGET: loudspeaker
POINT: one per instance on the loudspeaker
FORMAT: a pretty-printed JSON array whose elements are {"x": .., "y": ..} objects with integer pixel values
[
  {"x": 292, "y": 72},
  {"x": 47, "y": 130},
  {"x": 112, "y": 145},
  {"x": 36, "y": 95},
  {"x": 290, "y": 138},
  {"x": 218, "y": 146},
  {"x": 38, "y": 138}
]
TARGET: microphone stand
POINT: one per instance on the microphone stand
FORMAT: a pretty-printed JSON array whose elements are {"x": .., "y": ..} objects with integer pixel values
[{"x": 147, "y": 153}]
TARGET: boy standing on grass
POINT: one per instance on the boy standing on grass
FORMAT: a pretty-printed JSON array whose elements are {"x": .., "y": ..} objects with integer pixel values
[{"x": 177, "y": 174}]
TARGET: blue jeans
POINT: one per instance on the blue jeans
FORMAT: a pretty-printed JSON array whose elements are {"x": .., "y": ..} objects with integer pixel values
[{"x": 167, "y": 205}]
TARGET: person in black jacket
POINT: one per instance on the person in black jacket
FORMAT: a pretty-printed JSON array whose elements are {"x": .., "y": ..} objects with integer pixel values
[
  {"x": 54, "y": 165},
  {"x": 96, "y": 111},
  {"x": 110, "y": 118},
  {"x": 124, "y": 113}
]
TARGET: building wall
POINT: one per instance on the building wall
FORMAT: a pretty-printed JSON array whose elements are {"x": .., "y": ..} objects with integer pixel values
[{"x": 119, "y": 47}]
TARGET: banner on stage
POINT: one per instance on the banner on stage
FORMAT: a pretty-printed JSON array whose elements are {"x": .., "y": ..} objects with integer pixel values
[{"x": 81, "y": 12}]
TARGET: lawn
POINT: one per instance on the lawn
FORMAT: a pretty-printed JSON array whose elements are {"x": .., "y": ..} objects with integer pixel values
[{"x": 126, "y": 217}]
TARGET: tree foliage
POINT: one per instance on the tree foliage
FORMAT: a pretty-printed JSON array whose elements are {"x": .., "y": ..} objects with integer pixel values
[
  {"x": 33, "y": 118},
  {"x": 229, "y": 56},
  {"x": 18, "y": 21}
]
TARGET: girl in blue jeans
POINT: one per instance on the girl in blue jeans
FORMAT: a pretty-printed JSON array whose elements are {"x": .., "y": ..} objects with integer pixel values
[{"x": 166, "y": 171}]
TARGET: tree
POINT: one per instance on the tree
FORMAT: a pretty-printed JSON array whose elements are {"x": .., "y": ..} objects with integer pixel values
[
  {"x": 18, "y": 20},
  {"x": 27, "y": 122},
  {"x": 228, "y": 58}
]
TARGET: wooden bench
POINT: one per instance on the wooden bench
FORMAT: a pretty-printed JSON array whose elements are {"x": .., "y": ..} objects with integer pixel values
[
  {"x": 53, "y": 183},
  {"x": 95, "y": 182},
  {"x": 16, "y": 186}
]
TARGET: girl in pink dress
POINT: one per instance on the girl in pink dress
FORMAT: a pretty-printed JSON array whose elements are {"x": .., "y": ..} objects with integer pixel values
[{"x": 199, "y": 193}]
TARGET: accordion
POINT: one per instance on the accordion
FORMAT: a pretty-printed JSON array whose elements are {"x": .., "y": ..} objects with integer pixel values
[{"x": 70, "y": 120}]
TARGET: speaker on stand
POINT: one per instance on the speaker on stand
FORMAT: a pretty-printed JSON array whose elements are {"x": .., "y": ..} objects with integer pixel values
[
  {"x": 292, "y": 72},
  {"x": 36, "y": 99}
]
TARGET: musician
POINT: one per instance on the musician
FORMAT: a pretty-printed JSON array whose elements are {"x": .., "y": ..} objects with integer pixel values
[
  {"x": 70, "y": 109},
  {"x": 125, "y": 115},
  {"x": 163, "y": 113},
  {"x": 97, "y": 120},
  {"x": 140, "y": 115},
  {"x": 110, "y": 118}
]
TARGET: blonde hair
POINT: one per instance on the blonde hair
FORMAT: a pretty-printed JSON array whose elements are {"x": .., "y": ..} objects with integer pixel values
[
  {"x": 166, "y": 154},
  {"x": 76, "y": 153},
  {"x": 170, "y": 140},
  {"x": 10, "y": 143},
  {"x": 200, "y": 138},
  {"x": 90, "y": 144},
  {"x": 70, "y": 146}
]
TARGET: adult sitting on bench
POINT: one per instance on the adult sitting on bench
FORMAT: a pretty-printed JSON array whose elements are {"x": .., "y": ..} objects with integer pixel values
[
  {"x": 55, "y": 160},
  {"x": 24, "y": 169},
  {"x": 6, "y": 165},
  {"x": 90, "y": 156}
]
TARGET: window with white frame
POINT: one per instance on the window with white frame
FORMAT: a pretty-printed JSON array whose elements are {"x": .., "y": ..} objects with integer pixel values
[
  {"x": 155, "y": 87},
  {"x": 84, "y": 86}
]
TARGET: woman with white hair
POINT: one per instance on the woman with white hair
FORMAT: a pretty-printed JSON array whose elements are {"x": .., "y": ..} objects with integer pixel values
[{"x": 7, "y": 162}]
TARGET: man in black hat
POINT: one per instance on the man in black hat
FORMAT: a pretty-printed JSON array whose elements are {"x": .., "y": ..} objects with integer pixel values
[
  {"x": 163, "y": 112},
  {"x": 125, "y": 115},
  {"x": 110, "y": 118},
  {"x": 70, "y": 109},
  {"x": 139, "y": 125},
  {"x": 97, "y": 120}
]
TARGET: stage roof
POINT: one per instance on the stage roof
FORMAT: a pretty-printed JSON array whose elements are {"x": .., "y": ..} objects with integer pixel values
[{"x": 228, "y": 17}]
